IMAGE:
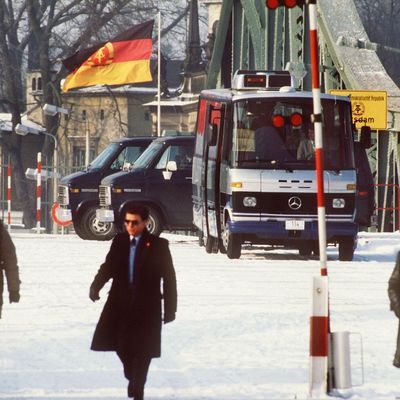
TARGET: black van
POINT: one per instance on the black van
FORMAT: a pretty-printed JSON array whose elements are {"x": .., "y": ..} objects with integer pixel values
[
  {"x": 78, "y": 192},
  {"x": 161, "y": 179}
]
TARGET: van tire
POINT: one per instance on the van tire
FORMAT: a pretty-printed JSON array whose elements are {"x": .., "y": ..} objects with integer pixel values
[
  {"x": 346, "y": 248},
  {"x": 305, "y": 250},
  {"x": 154, "y": 225},
  {"x": 93, "y": 229},
  {"x": 211, "y": 245},
  {"x": 79, "y": 230},
  {"x": 231, "y": 242}
]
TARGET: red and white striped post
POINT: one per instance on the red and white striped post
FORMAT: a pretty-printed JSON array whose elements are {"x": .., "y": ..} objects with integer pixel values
[
  {"x": 9, "y": 196},
  {"x": 38, "y": 191},
  {"x": 319, "y": 323}
]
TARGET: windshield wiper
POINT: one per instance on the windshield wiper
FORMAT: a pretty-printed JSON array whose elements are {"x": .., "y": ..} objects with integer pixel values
[{"x": 263, "y": 160}]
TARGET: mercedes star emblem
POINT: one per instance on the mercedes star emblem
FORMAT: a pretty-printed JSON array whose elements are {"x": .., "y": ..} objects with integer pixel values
[{"x": 294, "y": 203}]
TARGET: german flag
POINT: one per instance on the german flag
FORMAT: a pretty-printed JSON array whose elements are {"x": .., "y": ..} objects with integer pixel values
[{"x": 124, "y": 59}]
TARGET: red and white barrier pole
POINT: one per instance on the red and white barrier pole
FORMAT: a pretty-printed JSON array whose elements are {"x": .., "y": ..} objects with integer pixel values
[
  {"x": 319, "y": 327},
  {"x": 9, "y": 196},
  {"x": 38, "y": 191},
  {"x": 319, "y": 345}
]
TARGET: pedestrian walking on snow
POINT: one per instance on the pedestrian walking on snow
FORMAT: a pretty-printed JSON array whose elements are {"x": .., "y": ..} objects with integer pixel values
[
  {"x": 394, "y": 297},
  {"x": 8, "y": 267},
  {"x": 130, "y": 323}
]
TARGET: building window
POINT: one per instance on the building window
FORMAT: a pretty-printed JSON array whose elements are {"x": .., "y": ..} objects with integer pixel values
[
  {"x": 33, "y": 84},
  {"x": 101, "y": 114},
  {"x": 78, "y": 156},
  {"x": 84, "y": 115},
  {"x": 39, "y": 84},
  {"x": 147, "y": 116}
]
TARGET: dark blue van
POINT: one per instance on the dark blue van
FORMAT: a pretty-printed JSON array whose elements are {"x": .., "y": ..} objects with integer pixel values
[
  {"x": 161, "y": 179},
  {"x": 78, "y": 192}
]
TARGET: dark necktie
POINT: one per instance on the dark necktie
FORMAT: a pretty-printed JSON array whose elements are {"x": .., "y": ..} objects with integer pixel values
[{"x": 131, "y": 259}]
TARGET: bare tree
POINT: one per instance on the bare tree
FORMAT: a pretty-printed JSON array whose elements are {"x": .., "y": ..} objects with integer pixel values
[{"x": 59, "y": 28}]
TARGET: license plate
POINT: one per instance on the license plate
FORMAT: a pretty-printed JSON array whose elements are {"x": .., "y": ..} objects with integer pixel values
[{"x": 294, "y": 225}]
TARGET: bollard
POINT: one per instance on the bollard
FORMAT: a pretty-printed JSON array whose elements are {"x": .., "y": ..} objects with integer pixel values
[
  {"x": 341, "y": 360},
  {"x": 319, "y": 338}
]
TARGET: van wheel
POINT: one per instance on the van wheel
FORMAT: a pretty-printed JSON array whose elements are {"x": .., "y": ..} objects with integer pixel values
[
  {"x": 346, "y": 248},
  {"x": 211, "y": 245},
  {"x": 305, "y": 250},
  {"x": 95, "y": 229},
  {"x": 231, "y": 243},
  {"x": 154, "y": 225},
  {"x": 200, "y": 237},
  {"x": 79, "y": 230}
]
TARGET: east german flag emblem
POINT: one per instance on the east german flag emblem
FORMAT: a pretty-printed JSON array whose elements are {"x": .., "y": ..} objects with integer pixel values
[{"x": 123, "y": 60}]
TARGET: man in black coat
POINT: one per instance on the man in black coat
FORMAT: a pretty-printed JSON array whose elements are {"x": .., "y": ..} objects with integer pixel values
[
  {"x": 8, "y": 267},
  {"x": 394, "y": 297},
  {"x": 130, "y": 323}
]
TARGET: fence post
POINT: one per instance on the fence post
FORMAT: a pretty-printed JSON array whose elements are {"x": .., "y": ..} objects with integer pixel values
[
  {"x": 38, "y": 191},
  {"x": 9, "y": 195}
]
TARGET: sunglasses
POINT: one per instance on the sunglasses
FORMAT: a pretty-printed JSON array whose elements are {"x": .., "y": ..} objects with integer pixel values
[{"x": 133, "y": 222}]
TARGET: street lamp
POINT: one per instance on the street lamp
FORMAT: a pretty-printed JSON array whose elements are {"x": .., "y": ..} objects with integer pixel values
[
  {"x": 52, "y": 110},
  {"x": 24, "y": 130}
]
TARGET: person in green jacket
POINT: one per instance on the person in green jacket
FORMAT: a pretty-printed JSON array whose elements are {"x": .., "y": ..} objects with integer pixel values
[
  {"x": 8, "y": 267},
  {"x": 394, "y": 297}
]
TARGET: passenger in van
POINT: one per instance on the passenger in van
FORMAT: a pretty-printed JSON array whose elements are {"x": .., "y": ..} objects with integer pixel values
[
  {"x": 269, "y": 145},
  {"x": 306, "y": 147}
]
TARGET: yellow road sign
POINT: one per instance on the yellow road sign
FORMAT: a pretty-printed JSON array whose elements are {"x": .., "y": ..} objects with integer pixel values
[{"x": 368, "y": 107}]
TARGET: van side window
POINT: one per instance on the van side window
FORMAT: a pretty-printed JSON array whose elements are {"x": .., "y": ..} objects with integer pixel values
[
  {"x": 127, "y": 157},
  {"x": 181, "y": 154}
]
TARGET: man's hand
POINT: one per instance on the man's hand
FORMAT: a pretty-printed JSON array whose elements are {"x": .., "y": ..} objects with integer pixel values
[
  {"x": 93, "y": 294},
  {"x": 14, "y": 296},
  {"x": 169, "y": 318}
]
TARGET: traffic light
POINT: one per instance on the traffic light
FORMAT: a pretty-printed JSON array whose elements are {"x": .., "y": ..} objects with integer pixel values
[{"x": 274, "y": 4}]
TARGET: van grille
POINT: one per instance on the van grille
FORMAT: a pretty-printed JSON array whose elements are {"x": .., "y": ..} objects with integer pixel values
[
  {"x": 104, "y": 196},
  {"x": 63, "y": 197}
]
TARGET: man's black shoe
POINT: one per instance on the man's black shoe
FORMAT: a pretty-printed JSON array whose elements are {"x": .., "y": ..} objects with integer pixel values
[{"x": 396, "y": 363}]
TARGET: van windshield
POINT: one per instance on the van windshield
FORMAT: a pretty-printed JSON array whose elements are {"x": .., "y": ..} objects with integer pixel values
[
  {"x": 278, "y": 133},
  {"x": 148, "y": 155},
  {"x": 105, "y": 157}
]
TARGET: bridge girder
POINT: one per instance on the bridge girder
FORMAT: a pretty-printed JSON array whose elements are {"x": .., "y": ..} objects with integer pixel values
[{"x": 249, "y": 36}]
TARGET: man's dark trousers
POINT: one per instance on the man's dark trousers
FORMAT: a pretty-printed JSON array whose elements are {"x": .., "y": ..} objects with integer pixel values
[{"x": 135, "y": 370}]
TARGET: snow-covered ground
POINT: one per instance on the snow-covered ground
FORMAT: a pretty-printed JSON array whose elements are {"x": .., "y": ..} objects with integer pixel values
[{"x": 242, "y": 329}]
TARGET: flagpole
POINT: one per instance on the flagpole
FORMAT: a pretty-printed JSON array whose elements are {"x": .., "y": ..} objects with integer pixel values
[{"x": 159, "y": 77}]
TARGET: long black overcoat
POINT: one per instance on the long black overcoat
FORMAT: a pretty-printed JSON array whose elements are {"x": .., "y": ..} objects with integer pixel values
[
  {"x": 130, "y": 322},
  {"x": 394, "y": 287},
  {"x": 8, "y": 264}
]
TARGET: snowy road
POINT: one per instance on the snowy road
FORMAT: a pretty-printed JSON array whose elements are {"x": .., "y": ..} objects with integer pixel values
[{"x": 242, "y": 329}]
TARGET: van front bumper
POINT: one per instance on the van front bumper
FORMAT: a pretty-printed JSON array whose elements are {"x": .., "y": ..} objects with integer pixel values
[
  {"x": 276, "y": 232},
  {"x": 105, "y": 215}
]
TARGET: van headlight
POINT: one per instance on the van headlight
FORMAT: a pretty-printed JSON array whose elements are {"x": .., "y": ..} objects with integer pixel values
[
  {"x": 249, "y": 201},
  {"x": 338, "y": 203}
]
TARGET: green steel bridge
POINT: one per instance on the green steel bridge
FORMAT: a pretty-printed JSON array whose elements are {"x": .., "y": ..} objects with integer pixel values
[{"x": 250, "y": 36}]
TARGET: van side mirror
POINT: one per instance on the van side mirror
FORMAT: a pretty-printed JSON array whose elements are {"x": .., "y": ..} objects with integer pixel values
[
  {"x": 365, "y": 138},
  {"x": 212, "y": 134},
  {"x": 171, "y": 167}
]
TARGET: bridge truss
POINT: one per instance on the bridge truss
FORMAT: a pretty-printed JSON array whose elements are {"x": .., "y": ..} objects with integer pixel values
[{"x": 249, "y": 36}]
